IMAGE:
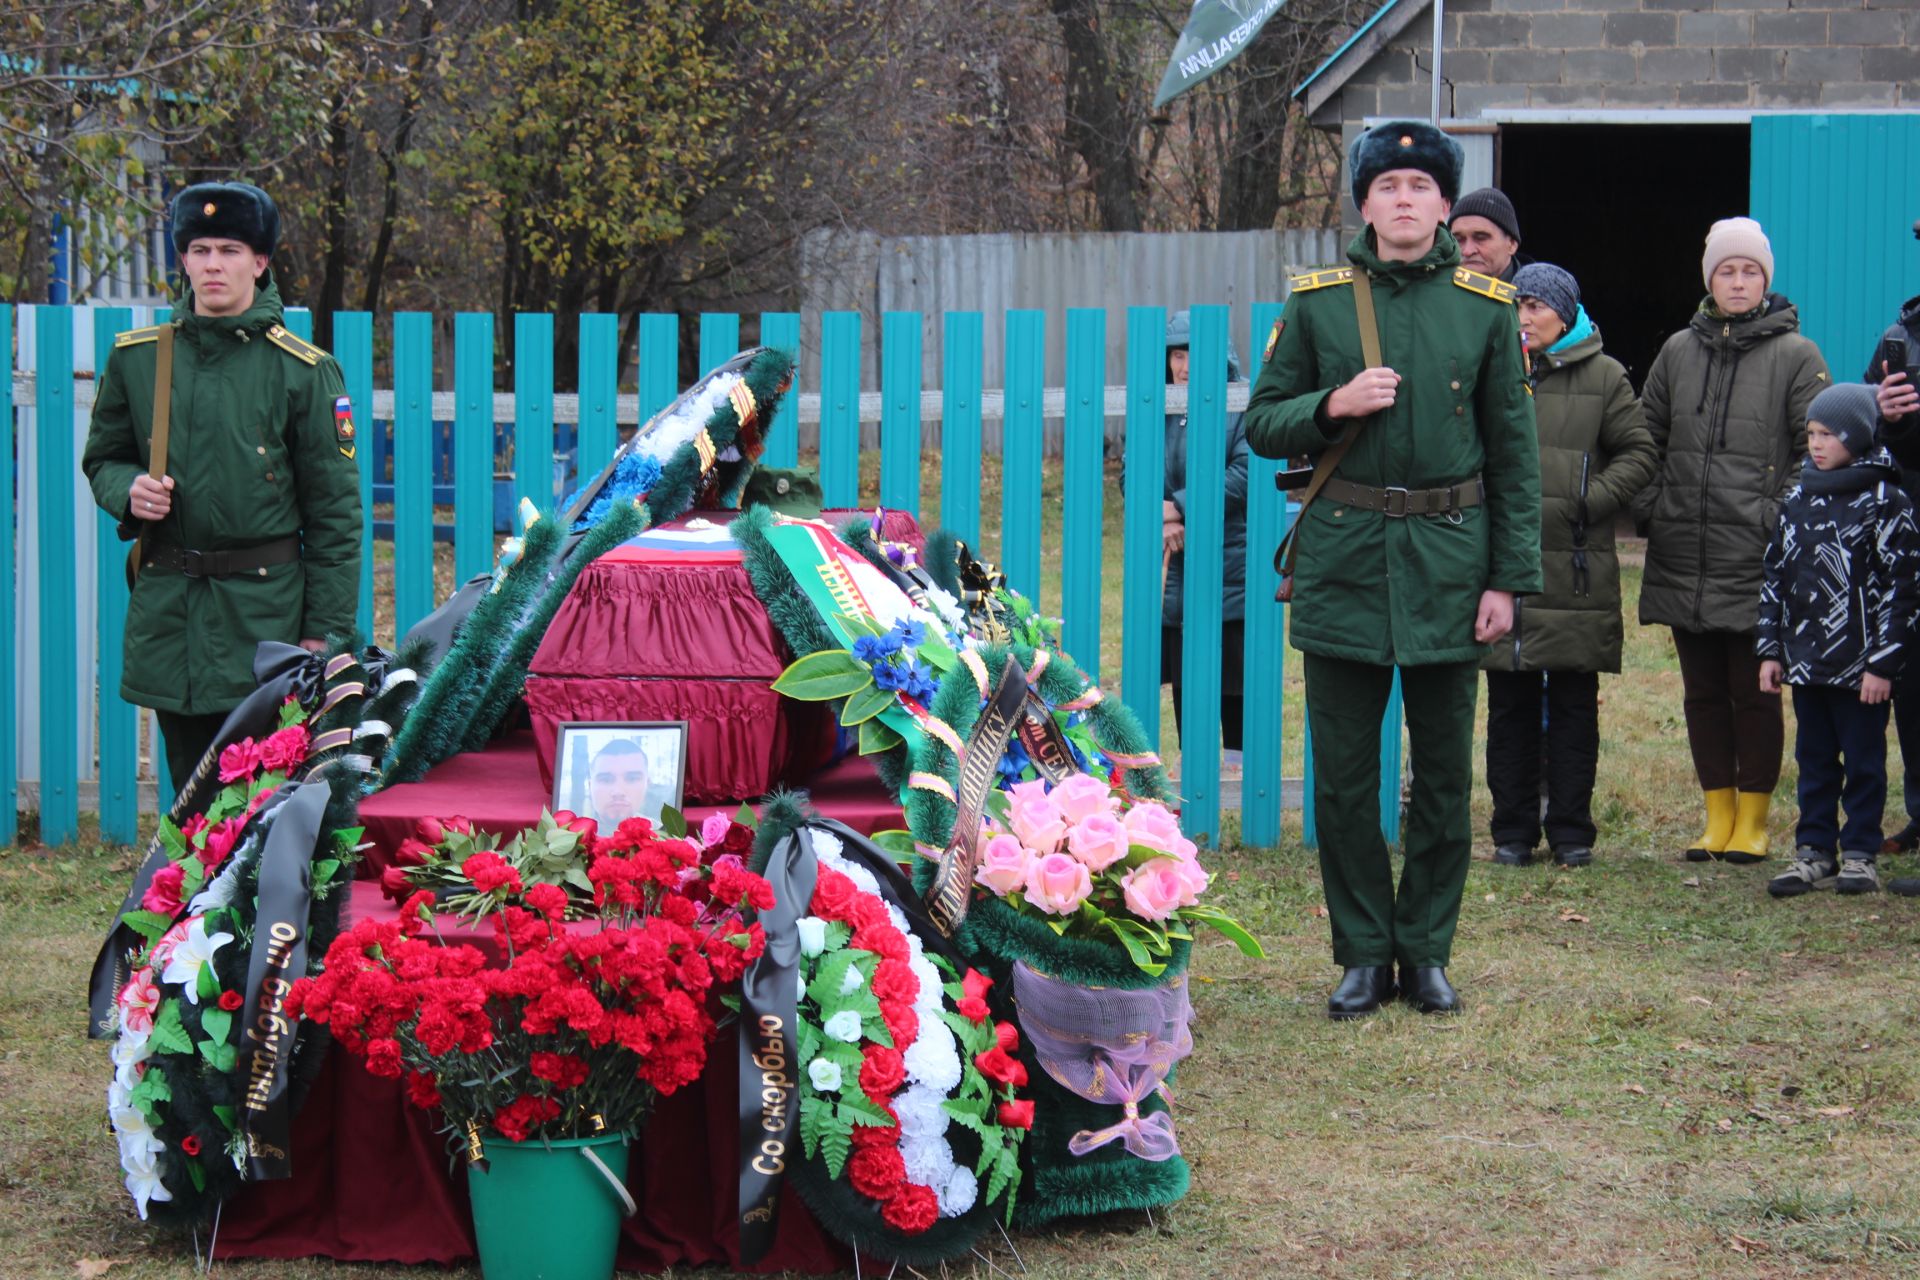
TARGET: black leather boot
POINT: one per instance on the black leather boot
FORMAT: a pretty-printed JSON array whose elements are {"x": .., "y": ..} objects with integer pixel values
[
  {"x": 1426, "y": 988},
  {"x": 1362, "y": 989}
]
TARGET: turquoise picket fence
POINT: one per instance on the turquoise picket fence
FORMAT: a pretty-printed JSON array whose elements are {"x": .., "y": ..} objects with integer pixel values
[{"x": 421, "y": 451}]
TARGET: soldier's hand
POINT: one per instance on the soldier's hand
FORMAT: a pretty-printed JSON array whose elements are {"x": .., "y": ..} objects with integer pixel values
[
  {"x": 150, "y": 499},
  {"x": 1370, "y": 391},
  {"x": 314, "y": 646},
  {"x": 1897, "y": 397},
  {"x": 1495, "y": 618}
]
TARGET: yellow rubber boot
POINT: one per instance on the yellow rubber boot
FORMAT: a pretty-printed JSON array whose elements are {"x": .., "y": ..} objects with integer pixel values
[
  {"x": 1749, "y": 842},
  {"x": 1713, "y": 842}
]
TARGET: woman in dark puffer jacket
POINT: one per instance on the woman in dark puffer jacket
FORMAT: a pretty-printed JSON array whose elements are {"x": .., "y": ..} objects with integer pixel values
[
  {"x": 1726, "y": 401},
  {"x": 1595, "y": 455}
]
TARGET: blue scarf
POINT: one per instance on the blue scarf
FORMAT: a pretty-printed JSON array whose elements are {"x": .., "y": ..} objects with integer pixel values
[{"x": 1581, "y": 328}]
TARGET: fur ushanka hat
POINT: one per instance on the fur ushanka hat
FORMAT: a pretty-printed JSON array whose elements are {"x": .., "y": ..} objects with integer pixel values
[
  {"x": 1405, "y": 144},
  {"x": 226, "y": 211}
]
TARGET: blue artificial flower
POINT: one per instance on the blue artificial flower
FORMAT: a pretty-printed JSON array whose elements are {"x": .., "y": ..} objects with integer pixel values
[
  {"x": 909, "y": 631},
  {"x": 887, "y": 676},
  {"x": 869, "y": 649},
  {"x": 919, "y": 681},
  {"x": 1013, "y": 764},
  {"x": 634, "y": 476}
]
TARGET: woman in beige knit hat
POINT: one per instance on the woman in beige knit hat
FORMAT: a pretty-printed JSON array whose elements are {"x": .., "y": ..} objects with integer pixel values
[{"x": 1726, "y": 401}]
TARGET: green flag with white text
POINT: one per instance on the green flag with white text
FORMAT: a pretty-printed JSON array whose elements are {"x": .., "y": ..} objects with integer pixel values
[{"x": 1217, "y": 32}]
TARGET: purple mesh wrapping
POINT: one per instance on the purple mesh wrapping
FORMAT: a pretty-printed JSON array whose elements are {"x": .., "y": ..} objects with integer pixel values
[{"x": 1109, "y": 1046}]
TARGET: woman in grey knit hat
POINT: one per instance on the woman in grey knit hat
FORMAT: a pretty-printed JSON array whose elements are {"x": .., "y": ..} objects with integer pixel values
[{"x": 1595, "y": 455}]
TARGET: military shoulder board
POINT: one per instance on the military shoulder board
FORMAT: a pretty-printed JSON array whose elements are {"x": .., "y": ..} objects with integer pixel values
[
  {"x": 1485, "y": 286},
  {"x": 298, "y": 348},
  {"x": 134, "y": 337},
  {"x": 1321, "y": 279}
]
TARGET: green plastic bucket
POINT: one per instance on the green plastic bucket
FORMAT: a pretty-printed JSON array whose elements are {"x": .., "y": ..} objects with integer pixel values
[{"x": 549, "y": 1211}]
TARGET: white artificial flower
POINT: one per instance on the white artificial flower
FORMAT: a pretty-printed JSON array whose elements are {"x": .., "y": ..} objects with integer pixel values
[
  {"x": 143, "y": 1182},
  {"x": 853, "y": 981},
  {"x": 824, "y": 1075},
  {"x": 928, "y": 1001},
  {"x": 934, "y": 1058},
  {"x": 898, "y": 919},
  {"x": 129, "y": 1051},
  {"x": 118, "y": 1095},
  {"x": 827, "y": 848},
  {"x": 194, "y": 953},
  {"x": 844, "y": 1026},
  {"x": 813, "y": 935},
  {"x": 138, "y": 1141},
  {"x": 920, "y": 1112},
  {"x": 958, "y": 1192},
  {"x": 663, "y": 436},
  {"x": 929, "y": 1161},
  {"x": 862, "y": 878},
  {"x": 799, "y": 988}
]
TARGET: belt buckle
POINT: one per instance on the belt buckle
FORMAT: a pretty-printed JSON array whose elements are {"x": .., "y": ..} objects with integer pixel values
[
  {"x": 1391, "y": 492},
  {"x": 192, "y": 563}
]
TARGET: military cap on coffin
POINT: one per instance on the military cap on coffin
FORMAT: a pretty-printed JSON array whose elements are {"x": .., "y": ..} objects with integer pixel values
[
  {"x": 225, "y": 211},
  {"x": 1405, "y": 144}
]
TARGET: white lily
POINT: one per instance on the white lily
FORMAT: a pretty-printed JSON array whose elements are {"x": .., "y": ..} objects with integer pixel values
[
  {"x": 143, "y": 1182},
  {"x": 194, "y": 953}
]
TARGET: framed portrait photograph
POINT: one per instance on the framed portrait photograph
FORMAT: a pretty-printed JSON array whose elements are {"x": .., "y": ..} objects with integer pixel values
[{"x": 612, "y": 771}]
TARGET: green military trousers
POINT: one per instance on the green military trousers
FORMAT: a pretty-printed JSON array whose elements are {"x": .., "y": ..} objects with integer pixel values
[{"x": 1345, "y": 702}]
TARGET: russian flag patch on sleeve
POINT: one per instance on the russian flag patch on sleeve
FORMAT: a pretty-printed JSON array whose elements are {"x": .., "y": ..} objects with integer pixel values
[{"x": 343, "y": 425}]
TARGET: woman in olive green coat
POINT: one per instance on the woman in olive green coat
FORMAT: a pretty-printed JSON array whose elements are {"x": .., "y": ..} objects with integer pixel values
[
  {"x": 1595, "y": 455},
  {"x": 1726, "y": 401}
]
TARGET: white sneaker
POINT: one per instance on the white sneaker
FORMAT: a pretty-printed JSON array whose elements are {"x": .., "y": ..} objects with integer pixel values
[{"x": 1858, "y": 875}]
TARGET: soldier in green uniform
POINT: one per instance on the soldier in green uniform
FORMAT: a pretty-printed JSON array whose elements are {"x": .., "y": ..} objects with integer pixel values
[
  {"x": 252, "y": 530},
  {"x": 1410, "y": 555}
]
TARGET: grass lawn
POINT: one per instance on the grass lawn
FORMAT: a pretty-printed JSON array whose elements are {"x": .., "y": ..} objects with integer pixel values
[{"x": 1661, "y": 1072}]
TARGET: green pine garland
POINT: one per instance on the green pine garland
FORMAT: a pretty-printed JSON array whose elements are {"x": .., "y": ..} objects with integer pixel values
[
  {"x": 508, "y": 677},
  {"x": 681, "y": 479}
]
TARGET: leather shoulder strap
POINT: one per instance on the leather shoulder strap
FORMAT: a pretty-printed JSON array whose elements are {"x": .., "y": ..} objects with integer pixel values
[{"x": 162, "y": 402}]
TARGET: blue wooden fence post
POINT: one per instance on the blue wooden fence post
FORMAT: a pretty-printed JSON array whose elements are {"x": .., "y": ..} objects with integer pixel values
[
  {"x": 1083, "y": 486},
  {"x": 1263, "y": 756},
  {"x": 719, "y": 339},
  {"x": 1203, "y": 573},
  {"x": 9, "y": 655},
  {"x": 1021, "y": 425},
  {"x": 59, "y": 664},
  {"x": 353, "y": 348},
  {"x": 782, "y": 329},
  {"x": 473, "y": 460},
  {"x": 840, "y": 409},
  {"x": 1390, "y": 764},
  {"x": 960, "y": 461},
  {"x": 533, "y": 410},
  {"x": 412, "y": 469},
  {"x": 1141, "y": 540},
  {"x": 119, "y": 776},
  {"x": 900, "y": 412},
  {"x": 659, "y": 362},
  {"x": 599, "y": 394}
]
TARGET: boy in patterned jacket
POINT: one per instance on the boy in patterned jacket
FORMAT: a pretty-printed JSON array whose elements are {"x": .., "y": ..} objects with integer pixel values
[{"x": 1836, "y": 605}]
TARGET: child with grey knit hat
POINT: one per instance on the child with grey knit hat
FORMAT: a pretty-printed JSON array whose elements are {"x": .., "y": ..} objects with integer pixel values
[{"x": 1837, "y": 604}]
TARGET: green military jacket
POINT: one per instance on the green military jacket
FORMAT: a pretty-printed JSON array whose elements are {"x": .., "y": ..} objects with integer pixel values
[
  {"x": 1373, "y": 588},
  {"x": 260, "y": 447}
]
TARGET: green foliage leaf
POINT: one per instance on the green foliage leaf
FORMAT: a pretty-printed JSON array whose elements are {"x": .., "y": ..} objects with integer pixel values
[
  {"x": 150, "y": 1093},
  {"x": 824, "y": 990},
  {"x": 857, "y": 1108},
  {"x": 168, "y": 1035},
  {"x": 673, "y": 822},
  {"x": 1151, "y": 936},
  {"x": 1230, "y": 928},
  {"x": 207, "y": 984},
  {"x": 324, "y": 871},
  {"x": 196, "y": 1175},
  {"x": 835, "y": 1146},
  {"x": 217, "y": 1023},
  {"x": 220, "y": 1057},
  {"x": 816, "y": 1116},
  {"x": 876, "y": 736},
  {"x": 898, "y": 843},
  {"x": 839, "y": 934},
  {"x": 937, "y": 653},
  {"x": 746, "y": 817},
  {"x": 1000, "y": 807},
  {"x": 171, "y": 840},
  {"x": 1136, "y": 950},
  {"x": 148, "y": 924},
  {"x": 866, "y": 704},
  {"x": 824, "y": 676},
  {"x": 857, "y": 624},
  {"x": 226, "y": 1115}
]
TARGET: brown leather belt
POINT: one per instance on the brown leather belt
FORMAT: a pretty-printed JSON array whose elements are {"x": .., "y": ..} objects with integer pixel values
[
  {"x": 222, "y": 564},
  {"x": 1398, "y": 503}
]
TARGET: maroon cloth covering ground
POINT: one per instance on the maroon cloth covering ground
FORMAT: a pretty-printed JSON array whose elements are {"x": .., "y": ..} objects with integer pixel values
[
  {"x": 373, "y": 1182},
  {"x": 499, "y": 790}
]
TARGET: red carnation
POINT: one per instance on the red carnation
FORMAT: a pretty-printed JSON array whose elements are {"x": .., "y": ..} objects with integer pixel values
[
  {"x": 165, "y": 890},
  {"x": 1016, "y": 1115},
  {"x": 913, "y": 1210},
  {"x": 239, "y": 760},
  {"x": 833, "y": 895},
  {"x": 550, "y": 900},
  {"x": 903, "y": 1024},
  {"x": 894, "y": 980},
  {"x": 383, "y": 1058},
  {"x": 421, "y": 1090},
  {"x": 882, "y": 1072},
  {"x": 973, "y": 1009},
  {"x": 231, "y": 1001},
  {"x": 523, "y": 1115},
  {"x": 429, "y": 830},
  {"x": 563, "y": 1069},
  {"x": 876, "y": 1172},
  {"x": 190, "y": 1145},
  {"x": 489, "y": 872},
  {"x": 284, "y": 750},
  {"x": 976, "y": 984},
  {"x": 415, "y": 912},
  {"x": 219, "y": 842},
  {"x": 878, "y": 1135},
  {"x": 870, "y": 913},
  {"x": 996, "y": 1066},
  {"x": 1007, "y": 1035}
]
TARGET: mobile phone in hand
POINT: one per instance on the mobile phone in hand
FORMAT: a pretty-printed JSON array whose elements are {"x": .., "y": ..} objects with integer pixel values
[{"x": 1893, "y": 358}]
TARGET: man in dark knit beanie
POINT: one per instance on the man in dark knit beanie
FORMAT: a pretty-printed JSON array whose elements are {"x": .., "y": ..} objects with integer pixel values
[{"x": 1488, "y": 231}]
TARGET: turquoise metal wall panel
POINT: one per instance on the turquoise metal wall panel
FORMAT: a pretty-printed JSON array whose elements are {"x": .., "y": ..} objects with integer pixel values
[
  {"x": 659, "y": 362},
  {"x": 1083, "y": 485},
  {"x": 1203, "y": 573},
  {"x": 719, "y": 338},
  {"x": 1263, "y": 762},
  {"x": 533, "y": 410},
  {"x": 1837, "y": 195},
  {"x": 353, "y": 348},
  {"x": 1141, "y": 537},
  {"x": 299, "y": 322},
  {"x": 840, "y": 408},
  {"x": 412, "y": 468},
  {"x": 119, "y": 772},
  {"x": 9, "y": 658},
  {"x": 961, "y": 350},
  {"x": 782, "y": 329},
  {"x": 900, "y": 412},
  {"x": 1020, "y": 444},
  {"x": 59, "y": 663},
  {"x": 473, "y": 461},
  {"x": 599, "y": 394}
]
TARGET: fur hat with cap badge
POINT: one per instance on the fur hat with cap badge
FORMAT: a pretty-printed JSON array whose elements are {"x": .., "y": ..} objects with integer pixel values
[{"x": 1405, "y": 144}]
